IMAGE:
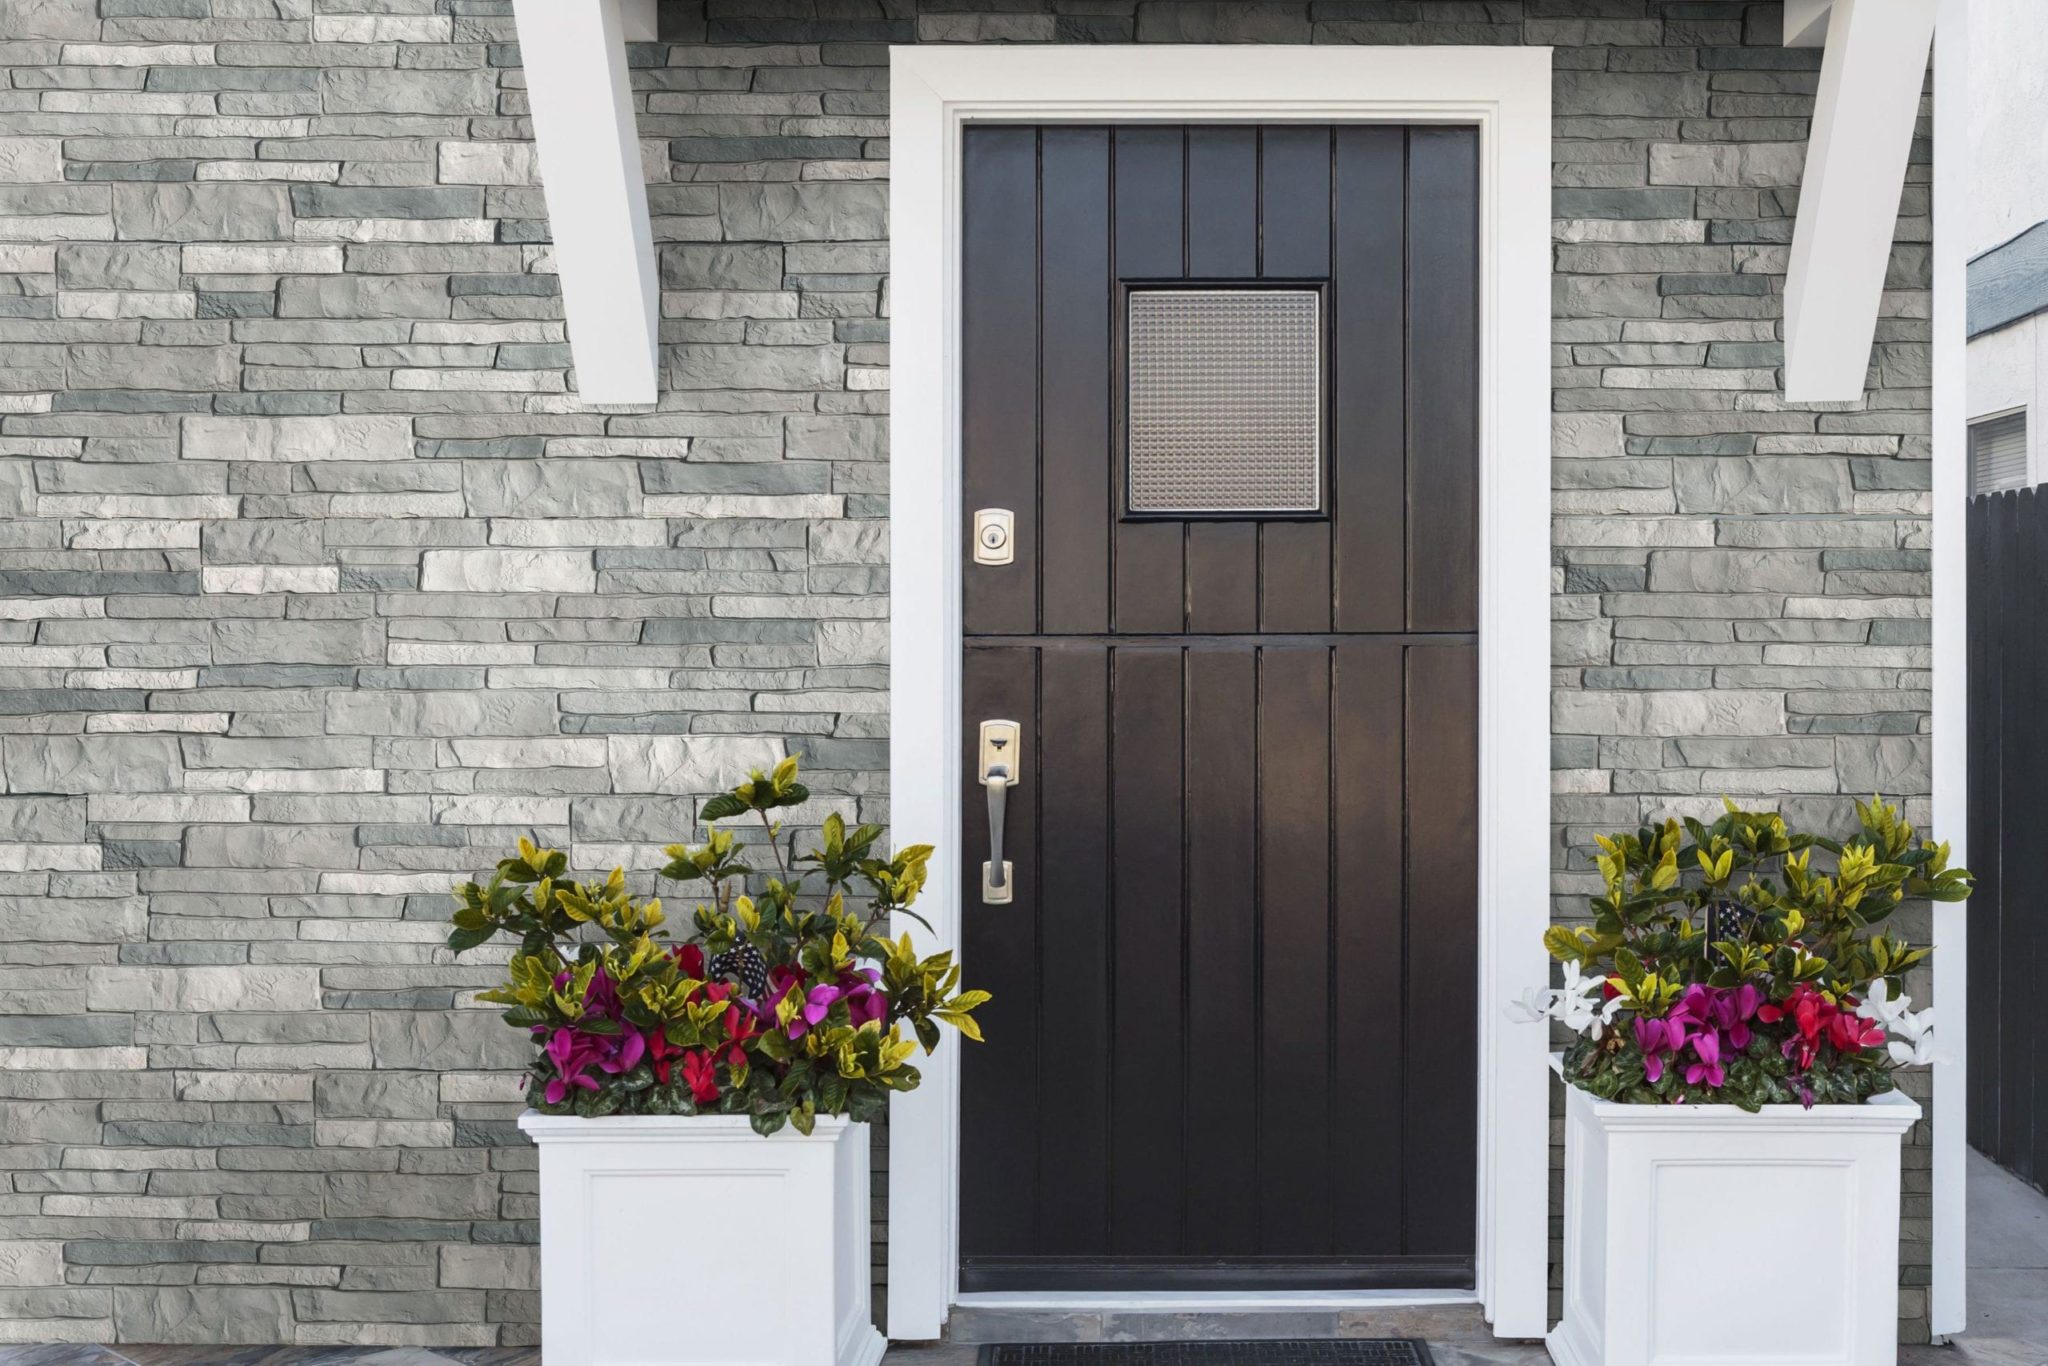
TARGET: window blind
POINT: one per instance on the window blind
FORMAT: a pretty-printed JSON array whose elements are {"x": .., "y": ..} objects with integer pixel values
[{"x": 1998, "y": 453}]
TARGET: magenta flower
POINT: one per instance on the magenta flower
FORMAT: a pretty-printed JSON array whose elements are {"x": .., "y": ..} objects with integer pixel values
[
  {"x": 1655, "y": 1038},
  {"x": 865, "y": 1005},
  {"x": 622, "y": 1051},
  {"x": 1714, "y": 1022},
  {"x": 1706, "y": 1046},
  {"x": 1741, "y": 1005},
  {"x": 572, "y": 1052}
]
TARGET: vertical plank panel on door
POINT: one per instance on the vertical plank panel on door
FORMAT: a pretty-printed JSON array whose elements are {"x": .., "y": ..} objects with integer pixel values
[
  {"x": 1367, "y": 969},
  {"x": 1222, "y": 1121},
  {"x": 1443, "y": 379},
  {"x": 1295, "y": 1140},
  {"x": 999, "y": 368},
  {"x": 1146, "y": 1101},
  {"x": 1150, "y": 589},
  {"x": 1223, "y": 244},
  {"x": 1223, "y": 202},
  {"x": 1442, "y": 769},
  {"x": 1294, "y": 219},
  {"x": 1984, "y": 823},
  {"x": 1074, "y": 946},
  {"x": 999, "y": 1189},
  {"x": 1368, "y": 399},
  {"x": 1075, "y": 367},
  {"x": 1294, "y": 202}
]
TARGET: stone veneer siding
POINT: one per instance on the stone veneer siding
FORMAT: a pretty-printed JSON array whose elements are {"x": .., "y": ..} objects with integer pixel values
[{"x": 317, "y": 587}]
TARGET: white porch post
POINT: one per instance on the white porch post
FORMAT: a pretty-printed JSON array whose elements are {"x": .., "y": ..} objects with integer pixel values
[
  {"x": 582, "y": 102},
  {"x": 1947, "y": 1311}
]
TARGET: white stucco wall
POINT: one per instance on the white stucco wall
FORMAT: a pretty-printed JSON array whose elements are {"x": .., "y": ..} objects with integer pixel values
[
  {"x": 2008, "y": 126},
  {"x": 2008, "y": 370}
]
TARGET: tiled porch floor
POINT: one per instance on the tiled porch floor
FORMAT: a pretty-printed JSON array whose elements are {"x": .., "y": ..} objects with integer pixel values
[{"x": 2008, "y": 1317}]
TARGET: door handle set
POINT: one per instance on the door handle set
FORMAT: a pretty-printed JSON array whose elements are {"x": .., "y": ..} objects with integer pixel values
[{"x": 999, "y": 765}]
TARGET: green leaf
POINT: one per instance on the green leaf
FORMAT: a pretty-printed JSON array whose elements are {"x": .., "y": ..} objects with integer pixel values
[
  {"x": 721, "y": 807},
  {"x": 460, "y": 938}
]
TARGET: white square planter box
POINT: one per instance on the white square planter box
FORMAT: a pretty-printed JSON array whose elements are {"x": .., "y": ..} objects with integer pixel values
[
  {"x": 1700, "y": 1234},
  {"x": 694, "y": 1241}
]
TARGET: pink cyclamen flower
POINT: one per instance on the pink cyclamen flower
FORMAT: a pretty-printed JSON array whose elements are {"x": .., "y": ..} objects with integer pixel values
[
  {"x": 571, "y": 1052},
  {"x": 1655, "y": 1038},
  {"x": 1706, "y": 1047}
]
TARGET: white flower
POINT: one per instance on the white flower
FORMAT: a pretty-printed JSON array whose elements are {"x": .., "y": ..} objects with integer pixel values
[
  {"x": 1577, "y": 984},
  {"x": 1577, "y": 1005},
  {"x": 1583, "y": 1015},
  {"x": 1909, "y": 1034},
  {"x": 1912, "y": 1038},
  {"x": 1881, "y": 1007},
  {"x": 1582, "y": 1005},
  {"x": 1532, "y": 1005}
]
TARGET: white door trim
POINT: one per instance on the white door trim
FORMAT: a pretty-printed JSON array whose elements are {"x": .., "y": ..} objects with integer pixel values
[{"x": 1505, "y": 93}]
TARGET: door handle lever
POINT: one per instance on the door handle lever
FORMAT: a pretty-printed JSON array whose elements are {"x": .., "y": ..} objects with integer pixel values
[{"x": 999, "y": 764}]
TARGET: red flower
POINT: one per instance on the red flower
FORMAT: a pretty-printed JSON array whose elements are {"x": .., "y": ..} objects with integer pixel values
[
  {"x": 739, "y": 1027},
  {"x": 702, "y": 1075},
  {"x": 660, "y": 1050},
  {"x": 1851, "y": 1033},
  {"x": 1818, "y": 1020},
  {"x": 690, "y": 960}
]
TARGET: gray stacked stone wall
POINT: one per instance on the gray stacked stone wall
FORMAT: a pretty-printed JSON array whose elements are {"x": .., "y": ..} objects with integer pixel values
[{"x": 317, "y": 586}]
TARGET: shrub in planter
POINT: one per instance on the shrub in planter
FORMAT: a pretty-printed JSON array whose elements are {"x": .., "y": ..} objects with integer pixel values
[
  {"x": 1738, "y": 1018},
  {"x": 1724, "y": 964},
  {"x": 714, "y": 1080},
  {"x": 780, "y": 1006}
]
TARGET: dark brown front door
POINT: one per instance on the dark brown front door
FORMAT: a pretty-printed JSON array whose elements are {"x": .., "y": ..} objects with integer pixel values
[{"x": 1232, "y": 1038}]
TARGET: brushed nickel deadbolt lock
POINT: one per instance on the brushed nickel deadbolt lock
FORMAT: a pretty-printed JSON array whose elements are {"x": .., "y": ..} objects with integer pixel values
[
  {"x": 999, "y": 761},
  {"x": 995, "y": 535}
]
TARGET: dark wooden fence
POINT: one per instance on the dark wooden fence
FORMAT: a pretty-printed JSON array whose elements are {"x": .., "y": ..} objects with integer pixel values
[{"x": 2008, "y": 830}]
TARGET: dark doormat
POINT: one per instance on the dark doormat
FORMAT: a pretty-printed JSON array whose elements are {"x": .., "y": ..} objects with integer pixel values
[{"x": 1285, "y": 1352}]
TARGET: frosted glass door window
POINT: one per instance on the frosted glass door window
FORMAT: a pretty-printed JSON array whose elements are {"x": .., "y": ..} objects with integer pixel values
[{"x": 1225, "y": 395}]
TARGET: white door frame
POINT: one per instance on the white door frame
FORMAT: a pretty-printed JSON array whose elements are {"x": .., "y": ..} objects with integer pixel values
[{"x": 1506, "y": 94}]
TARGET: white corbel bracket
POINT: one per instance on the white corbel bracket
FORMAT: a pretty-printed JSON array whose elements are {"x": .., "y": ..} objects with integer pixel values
[
  {"x": 581, "y": 97},
  {"x": 1806, "y": 22},
  {"x": 1872, "y": 72}
]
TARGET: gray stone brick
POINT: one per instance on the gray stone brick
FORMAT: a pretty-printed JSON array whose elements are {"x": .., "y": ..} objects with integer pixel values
[
  {"x": 451, "y": 1040},
  {"x": 205, "y": 212},
  {"x": 1173, "y": 22},
  {"x": 90, "y": 763},
  {"x": 364, "y": 296},
  {"x": 189, "y": 368},
  {"x": 804, "y": 211},
  {"x": 722, "y": 265},
  {"x": 297, "y": 642},
  {"x": 117, "y": 265},
  {"x": 202, "y": 1314},
  {"x": 368, "y": 90}
]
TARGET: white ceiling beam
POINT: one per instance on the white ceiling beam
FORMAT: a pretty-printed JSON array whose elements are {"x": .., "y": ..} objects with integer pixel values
[
  {"x": 1870, "y": 81},
  {"x": 582, "y": 103}
]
